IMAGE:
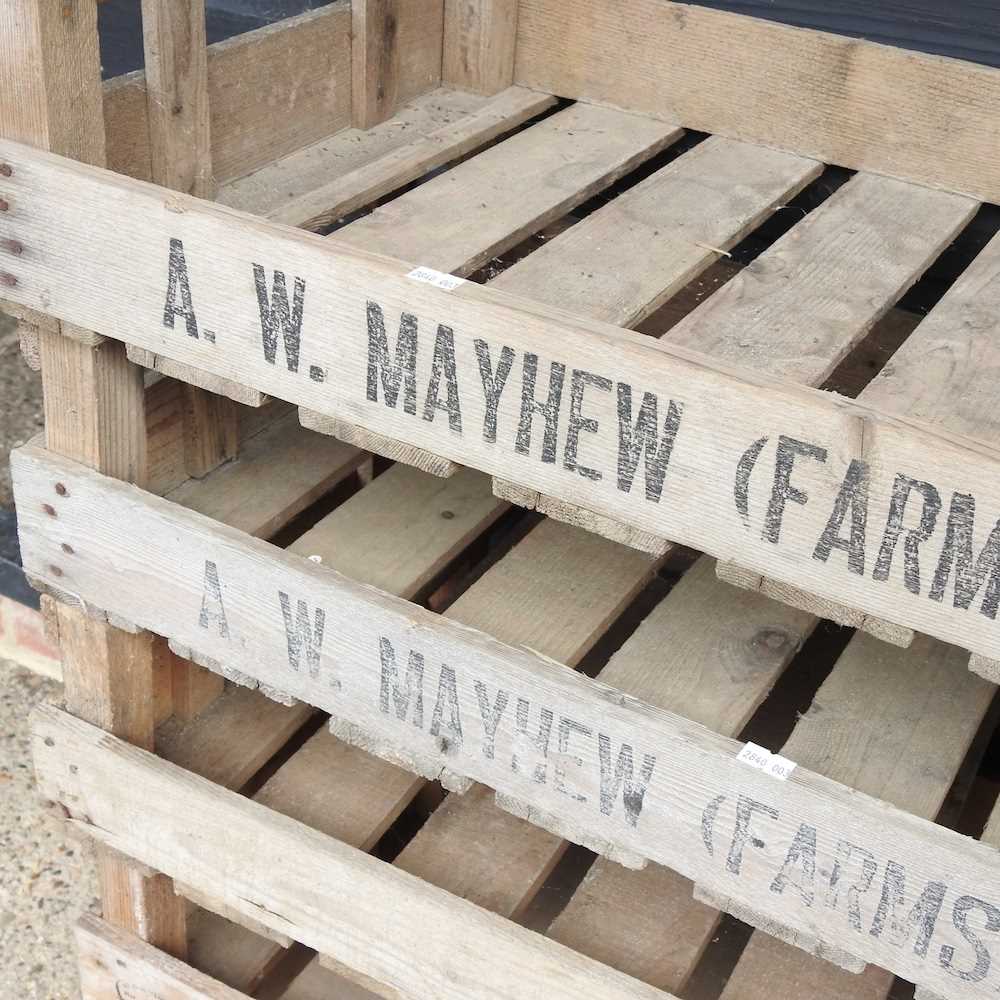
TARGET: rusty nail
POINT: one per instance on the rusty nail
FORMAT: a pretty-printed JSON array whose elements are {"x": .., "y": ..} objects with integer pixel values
[
  {"x": 5, "y": 170},
  {"x": 4, "y": 205},
  {"x": 68, "y": 549},
  {"x": 55, "y": 571},
  {"x": 49, "y": 509},
  {"x": 61, "y": 490},
  {"x": 13, "y": 246},
  {"x": 7, "y": 279}
]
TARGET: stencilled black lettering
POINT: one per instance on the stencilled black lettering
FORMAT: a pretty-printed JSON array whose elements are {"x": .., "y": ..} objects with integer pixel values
[
  {"x": 645, "y": 439},
  {"x": 179, "y": 284},
  {"x": 213, "y": 612},
  {"x": 396, "y": 373},
  {"x": 578, "y": 422},
  {"x": 447, "y": 700},
  {"x": 979, "y": 970},
  {"x": 799, "y": 867},
  {"x": 443, "y": 367},
  {"x": 566, "y": 727},
  {"x": 549, "y": 409},
  {"x": 957, "y": 552},
  {"x": 783, "y": 490},
  {"x": 303, "y": 634},
  {"x": 491, "y": 716},
  {"x": 277, "y": 316},
  {"x": 620, "y": 778},
  {"x": 538, "y": 742},
  {"x": 853, "y": 497},
  {"x": 494, "y": 383},
  {"x": 922, "y": 917},
  {"x": 869, "y": 867},
  {"x": 391, "y": 696},
  {"x": 901, "y": 490},
  {"x": 742, "y": 834}
]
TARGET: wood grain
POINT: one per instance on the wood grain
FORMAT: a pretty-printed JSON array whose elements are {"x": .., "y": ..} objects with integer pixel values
[
  {"x": 816, "y": 94},
  {"x": 479, "y": 43},
  {"x": 390, "y": 925},
  {"x": 395, "y": 55}
]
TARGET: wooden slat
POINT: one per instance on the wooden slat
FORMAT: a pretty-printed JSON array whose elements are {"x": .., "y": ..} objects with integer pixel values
[
  {"x": 465, "y": 216},
  {"x": 725, "y": 411},
  {"x": 271, "y": 91},
  {"x": 395, "y": 55},
  {"x": 116, "y": 532},
  {"x": 344, "y": 189},
  {"x": 291, "y": 177},
  {"x": 279, "y": 472},
  {"x": 115, "y": 964},
  {"x": 479, "y": 43},
  {"x": 816, "y": 94},
  {"x": 892, "y": 724},
  {"x": 389, "y": 925},
  {"x": 403, "y": 528}
]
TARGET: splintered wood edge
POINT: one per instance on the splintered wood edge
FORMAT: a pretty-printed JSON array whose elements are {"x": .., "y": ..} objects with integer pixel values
[
  {"x": 798, "y": 939},
  {"x": 398, "y": 451},
  {"x": 246, "y": 395},
  {"x": 896, "y": 635}
]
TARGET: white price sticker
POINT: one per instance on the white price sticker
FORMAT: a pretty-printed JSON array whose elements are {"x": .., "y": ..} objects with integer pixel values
[
  {"x": 436, "y": 278},
  {"x": 763, "y": 760}
]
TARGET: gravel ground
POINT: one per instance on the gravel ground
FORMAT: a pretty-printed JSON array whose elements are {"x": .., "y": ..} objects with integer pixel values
[{"x": 20, "y": 403}]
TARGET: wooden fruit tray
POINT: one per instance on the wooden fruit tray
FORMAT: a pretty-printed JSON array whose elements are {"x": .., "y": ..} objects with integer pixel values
[{"x": 615, "y": 344}]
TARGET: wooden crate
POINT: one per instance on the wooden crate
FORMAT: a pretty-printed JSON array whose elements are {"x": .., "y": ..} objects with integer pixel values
[{"x": 319, "y": 718}]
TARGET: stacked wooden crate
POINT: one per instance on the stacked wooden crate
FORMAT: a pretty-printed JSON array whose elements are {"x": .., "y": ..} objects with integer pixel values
[{"x": 319, "y": 717}]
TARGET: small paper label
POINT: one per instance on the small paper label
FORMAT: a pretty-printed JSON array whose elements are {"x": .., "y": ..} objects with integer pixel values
[
  {"x": 763, "y": 760},
  {"x": 436, "y": 278}
]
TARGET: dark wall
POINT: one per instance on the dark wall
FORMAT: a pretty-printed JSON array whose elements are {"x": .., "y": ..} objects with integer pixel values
[{"x": 965, "y": 29}]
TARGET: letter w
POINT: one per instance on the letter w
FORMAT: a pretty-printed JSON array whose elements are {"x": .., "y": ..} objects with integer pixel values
[
  {"x": 303, "y": 634},
  {"x": 276, "y": 316},
  {"x": 612, "y": 779}
]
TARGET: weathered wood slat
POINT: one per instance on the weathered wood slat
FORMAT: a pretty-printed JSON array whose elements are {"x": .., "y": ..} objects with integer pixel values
[
  {"x": 392, "y": 926},
  {"x": 271, "y": 91},
  {"x": 465, "y": 216},
  {"x": 817, "y": 94},
  {"x": 342, "y": 191},
  {"x": 681, "y": 815},
  {"x": 892, "y": 724},
  {"x": 115, "y": 964},
  {"x": 720, "y": 416}
]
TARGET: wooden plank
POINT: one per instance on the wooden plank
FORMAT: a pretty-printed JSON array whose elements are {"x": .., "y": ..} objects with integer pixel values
[
  {"x": 688, "y": 810},
  {"x": 817, "y": 94},
  {"x": 725, "y": 411},
  {"x": 403, "y": 528},
  {"x": 479, "y": 43},
  {"x": 293, "y": 176},
  {"x": 271, "y": 91},
  {"x": 391, "y": 926},
  {"x": 177, "y": 103},
  {"x": 342, "y": 193},
  {"x": 892, "y": 724},
  {"x": 462, "y": 218},
  {"x": 395, "y": 55},
  {"x": 279, "y": 473},
  {"x": 115, "y": 964}
]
